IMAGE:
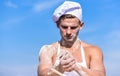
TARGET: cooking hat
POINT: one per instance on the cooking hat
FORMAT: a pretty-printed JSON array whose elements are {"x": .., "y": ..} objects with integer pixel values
[{"x": 68, "y": 7}]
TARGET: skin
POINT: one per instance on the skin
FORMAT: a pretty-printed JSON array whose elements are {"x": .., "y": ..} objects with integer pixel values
[{"x": 70, "y": 53}]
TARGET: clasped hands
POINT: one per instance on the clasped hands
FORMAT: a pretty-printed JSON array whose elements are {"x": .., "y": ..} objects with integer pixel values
[{"x": 67, "y": 62}]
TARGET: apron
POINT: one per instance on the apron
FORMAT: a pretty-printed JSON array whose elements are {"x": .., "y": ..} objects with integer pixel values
[{"x": 72, "y": 73}]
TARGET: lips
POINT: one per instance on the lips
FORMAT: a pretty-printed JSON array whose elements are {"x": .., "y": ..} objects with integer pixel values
[{"x": 69, "y": 37}]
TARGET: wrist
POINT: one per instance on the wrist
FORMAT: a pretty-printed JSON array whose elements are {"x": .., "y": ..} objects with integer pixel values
[{"x": 59, "y": 68}]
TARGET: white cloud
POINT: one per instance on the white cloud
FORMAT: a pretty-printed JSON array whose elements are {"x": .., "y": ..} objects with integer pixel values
[
  {"x": 112, "y": 45},
  {"x": 111, "y": 56},
  {"x": 112, "y": 40},
  {"x": 11, "y": 4},
  {"x": 112, "y": 67},
  {"x": 115, "y": 36},
  {"x": 45, "y": 5},
  {"x": 112, "y": 63},
  {"x": 10, "y": 23}
]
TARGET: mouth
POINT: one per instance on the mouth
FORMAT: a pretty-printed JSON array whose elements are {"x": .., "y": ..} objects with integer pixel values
[{"x": 69, "y": 37}]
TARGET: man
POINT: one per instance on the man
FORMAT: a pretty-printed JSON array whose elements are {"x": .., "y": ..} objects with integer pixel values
[{"x": 70, "y": 56}]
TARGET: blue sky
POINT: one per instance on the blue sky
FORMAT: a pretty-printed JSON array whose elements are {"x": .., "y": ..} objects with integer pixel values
[{"x": 26, "y": 25}]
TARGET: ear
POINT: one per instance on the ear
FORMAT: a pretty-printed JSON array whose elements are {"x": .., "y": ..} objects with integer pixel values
[
  {"x": 81, "y": 25},
  {"x": 57, "y": 25}
]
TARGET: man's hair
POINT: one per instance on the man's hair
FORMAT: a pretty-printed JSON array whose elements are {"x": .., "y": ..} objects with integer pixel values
[{"x": 65, "y": 16}]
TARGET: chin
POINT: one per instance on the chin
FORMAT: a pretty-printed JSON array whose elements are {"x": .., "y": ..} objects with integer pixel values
[{"x": 69, "y": 40}]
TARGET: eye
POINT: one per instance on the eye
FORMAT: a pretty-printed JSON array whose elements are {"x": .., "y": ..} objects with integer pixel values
[
  {"x": 64, "y": 27},
  {"x": 74, "y": 27}
]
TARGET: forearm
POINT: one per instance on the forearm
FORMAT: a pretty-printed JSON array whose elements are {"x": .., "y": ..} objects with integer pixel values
[
  {"x": 88, "y": 72},
  {"x": 42, "y": 72},
  {"x": 51, "y": 71},
  {"x": 46, "y": 72}
]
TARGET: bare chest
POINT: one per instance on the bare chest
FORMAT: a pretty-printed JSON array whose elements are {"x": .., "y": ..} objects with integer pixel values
[{"x": 76, "y": 54}]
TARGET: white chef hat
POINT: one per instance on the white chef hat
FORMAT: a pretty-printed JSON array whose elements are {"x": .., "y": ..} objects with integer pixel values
[{"x": 68, "y": 7}]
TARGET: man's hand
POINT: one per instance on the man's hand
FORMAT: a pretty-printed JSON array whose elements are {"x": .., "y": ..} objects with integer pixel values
[{"x": 67, "y": 61}]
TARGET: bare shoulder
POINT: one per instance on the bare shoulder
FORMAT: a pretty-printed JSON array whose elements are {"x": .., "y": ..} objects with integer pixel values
[
  {"x": 92, "y": 50},
  {"x": 48, "y": 50}
]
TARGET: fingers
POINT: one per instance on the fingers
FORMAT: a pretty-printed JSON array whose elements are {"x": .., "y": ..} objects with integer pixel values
[
  {"x": 70, "y": 66},
  {"x": 67, "y": 61},
  {"x": 65, "y": 56}
]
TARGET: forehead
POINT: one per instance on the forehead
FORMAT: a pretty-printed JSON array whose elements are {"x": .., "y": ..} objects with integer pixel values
[{"x": 70, "y": 22}]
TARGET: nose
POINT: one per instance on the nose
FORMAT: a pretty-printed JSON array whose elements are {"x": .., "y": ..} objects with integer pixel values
[{"x": 68, "y": 31}]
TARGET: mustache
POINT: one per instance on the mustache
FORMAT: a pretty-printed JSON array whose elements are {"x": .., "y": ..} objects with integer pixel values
[{"x": 67, "y": 35}]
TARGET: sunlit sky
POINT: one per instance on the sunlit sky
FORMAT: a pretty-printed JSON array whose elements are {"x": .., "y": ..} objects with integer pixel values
[{"x": 27, "y": 25}]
